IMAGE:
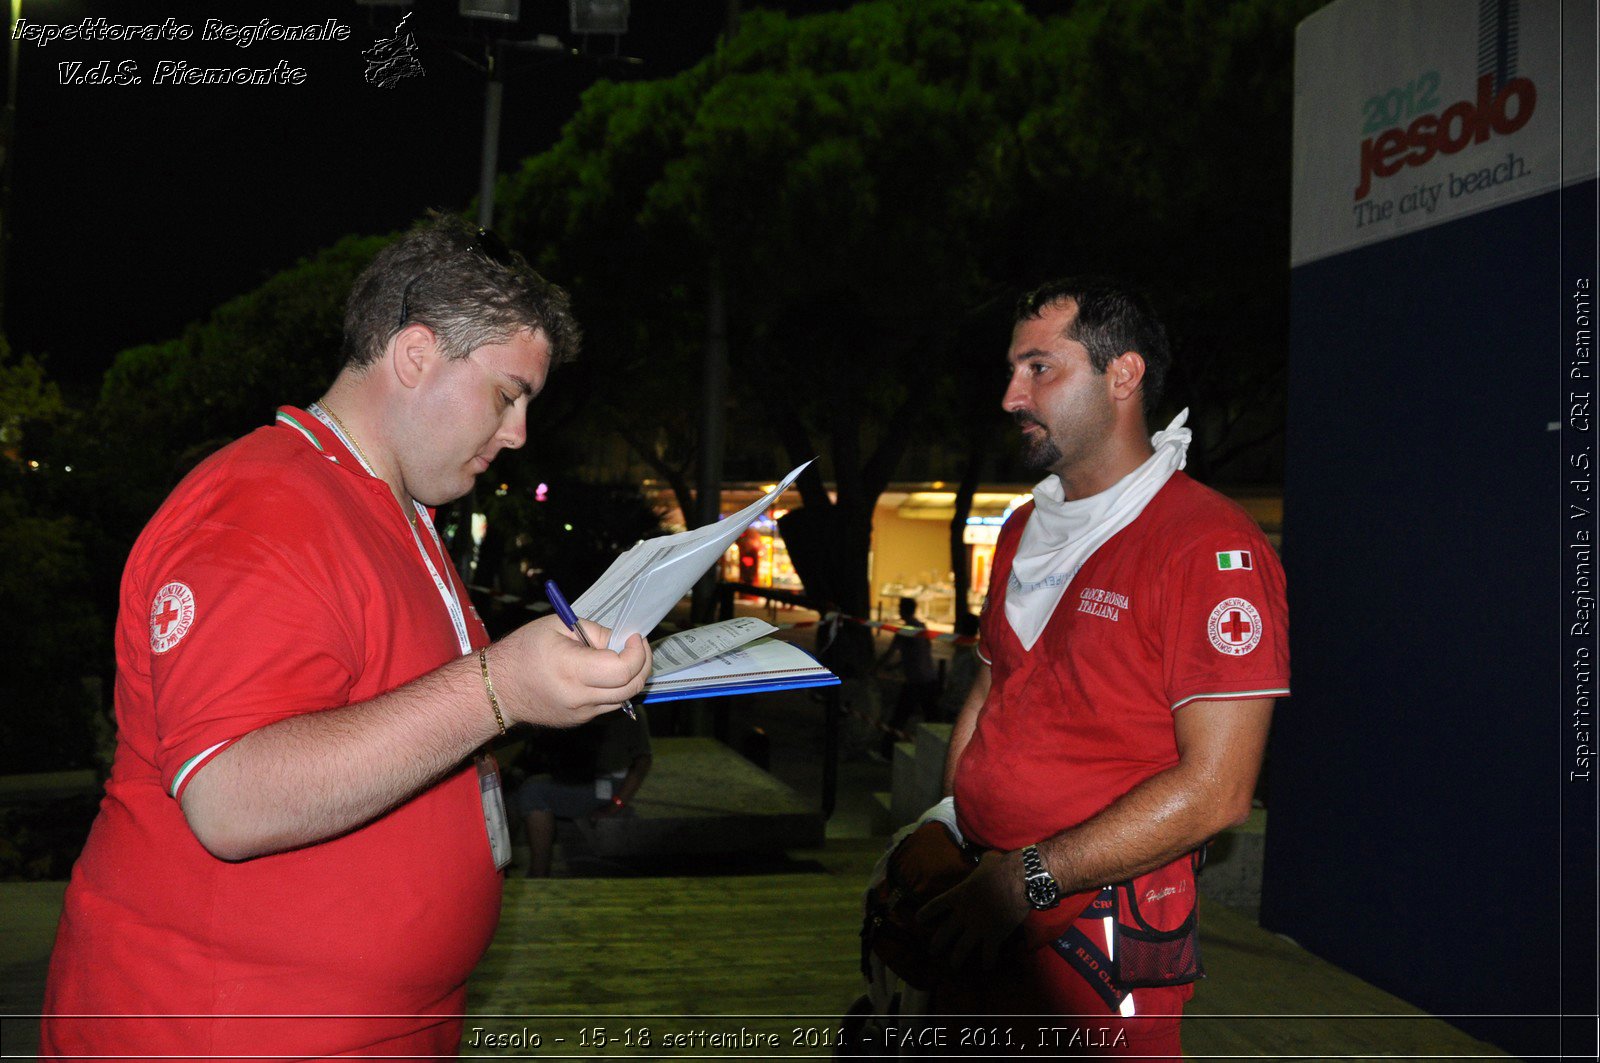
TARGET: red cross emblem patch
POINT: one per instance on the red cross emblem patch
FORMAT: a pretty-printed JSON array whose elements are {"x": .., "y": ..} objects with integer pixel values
[
  {"x": 171, "y": 613},
  {"x": 1235, "y": 627}
]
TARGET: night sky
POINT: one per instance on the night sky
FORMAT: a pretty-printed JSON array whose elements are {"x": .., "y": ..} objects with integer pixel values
[{"x": 137, "y": 208}]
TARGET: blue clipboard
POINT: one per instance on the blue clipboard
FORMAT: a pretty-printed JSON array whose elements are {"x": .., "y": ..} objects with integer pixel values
[{"x": 751, "y": 687}]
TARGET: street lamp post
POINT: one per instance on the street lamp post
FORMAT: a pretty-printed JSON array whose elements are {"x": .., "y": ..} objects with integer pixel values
[
  {"x": 493, "y": 95},
  {"x": 587, "y": 16},
  {"x": 493, "y": 98}
]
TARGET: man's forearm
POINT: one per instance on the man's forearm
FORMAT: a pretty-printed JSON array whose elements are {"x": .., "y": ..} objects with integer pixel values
[
  {"x": 320, "y": 774},
  {"x": 1149, "y": 827},
  {"x": 1220, "y": 745}
]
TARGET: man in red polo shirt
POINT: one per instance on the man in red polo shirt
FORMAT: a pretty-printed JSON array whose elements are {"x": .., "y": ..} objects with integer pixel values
[
  {"x": 300, "y": 845},
  {"x": 1134, "y": 640}
]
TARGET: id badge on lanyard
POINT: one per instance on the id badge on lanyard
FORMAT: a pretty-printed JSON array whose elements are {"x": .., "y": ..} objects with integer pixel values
[
  {"x": 494, "y": 805},
  {"x": 494, "y": 810}
]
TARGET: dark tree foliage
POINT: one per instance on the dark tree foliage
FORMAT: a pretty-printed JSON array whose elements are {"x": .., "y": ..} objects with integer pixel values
[
  {"x": 51, "y": 631},
  {"x": 163, "y": 407},
  {"x": 185, "y": 397},
  {"x": 874, "y": 186},
  {"x": 866, "y": 190}
]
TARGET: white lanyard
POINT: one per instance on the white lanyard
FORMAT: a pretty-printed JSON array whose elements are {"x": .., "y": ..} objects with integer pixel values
[{"x": 447, "y": 591}]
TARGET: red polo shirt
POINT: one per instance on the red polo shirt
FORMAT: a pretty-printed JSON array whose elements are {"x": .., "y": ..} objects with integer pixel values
[
  {"x": 1185, "y": 604},
  {"x": 279, "y": 578}
]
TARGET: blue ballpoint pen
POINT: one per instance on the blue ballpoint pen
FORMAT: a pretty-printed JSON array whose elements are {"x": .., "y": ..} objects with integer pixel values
[{"x": 569, "y": 618}]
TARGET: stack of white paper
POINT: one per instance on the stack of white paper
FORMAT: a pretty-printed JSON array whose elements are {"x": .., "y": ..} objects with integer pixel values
[{"x": 642, "y": 586}]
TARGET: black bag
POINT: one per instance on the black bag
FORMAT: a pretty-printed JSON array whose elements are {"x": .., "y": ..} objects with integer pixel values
[{"x": 925, "y": 864}]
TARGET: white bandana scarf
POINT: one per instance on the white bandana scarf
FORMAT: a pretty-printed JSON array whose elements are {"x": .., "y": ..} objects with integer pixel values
[{"x": 1061, "y": 535}]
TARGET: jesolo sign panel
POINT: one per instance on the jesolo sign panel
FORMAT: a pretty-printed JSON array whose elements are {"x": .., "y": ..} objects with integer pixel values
[{"x": 1413, "y": 113}]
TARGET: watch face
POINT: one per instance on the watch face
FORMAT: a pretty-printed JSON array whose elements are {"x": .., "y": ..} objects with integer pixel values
[{"x": 1043, "y": 892}]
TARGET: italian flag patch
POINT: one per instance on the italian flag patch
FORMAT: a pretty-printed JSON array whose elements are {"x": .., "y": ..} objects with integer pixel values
[{"x": 1232, "y": 559}]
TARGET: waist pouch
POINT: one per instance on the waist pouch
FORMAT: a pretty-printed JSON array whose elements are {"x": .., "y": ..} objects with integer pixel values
[
  {"x": 1155, "y": 938},
  {"x": 926, "y": 863},
  {"x": 1146, "y": 956}
]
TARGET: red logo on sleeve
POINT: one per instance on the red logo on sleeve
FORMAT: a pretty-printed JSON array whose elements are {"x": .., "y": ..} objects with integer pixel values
[
  {"x": 171, "y": 613},
  {"x": 1235, "y": 627}
]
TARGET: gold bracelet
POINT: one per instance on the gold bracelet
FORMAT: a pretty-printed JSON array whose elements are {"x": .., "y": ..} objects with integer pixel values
[{"x": 488, "y": 686}]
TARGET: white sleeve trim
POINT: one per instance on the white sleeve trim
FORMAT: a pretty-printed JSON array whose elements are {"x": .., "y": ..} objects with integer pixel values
[
  {"x": 1233, "y": 695},
  {"x": 190, "y": 765}
]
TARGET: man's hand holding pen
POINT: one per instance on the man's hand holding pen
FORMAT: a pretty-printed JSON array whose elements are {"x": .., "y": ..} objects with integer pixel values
[
  {"x": 545, "y": 673},
  {"x": 558, "y": 602}
]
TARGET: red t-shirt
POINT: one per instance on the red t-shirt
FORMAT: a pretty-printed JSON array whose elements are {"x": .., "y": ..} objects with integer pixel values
[
  {"x": 279, "y": 578},
  {"x": 1184, "y": 604}
]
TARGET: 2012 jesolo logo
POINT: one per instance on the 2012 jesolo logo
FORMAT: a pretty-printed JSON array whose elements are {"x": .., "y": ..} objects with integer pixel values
[{"x": 1442, "y": 132}]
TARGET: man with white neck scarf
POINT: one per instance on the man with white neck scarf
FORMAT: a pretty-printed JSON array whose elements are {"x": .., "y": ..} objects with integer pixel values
[{"x": 1133, "y": 643}]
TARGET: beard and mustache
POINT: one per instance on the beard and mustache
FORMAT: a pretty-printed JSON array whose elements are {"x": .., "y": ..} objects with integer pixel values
[{"x": 1038, "y": 452}]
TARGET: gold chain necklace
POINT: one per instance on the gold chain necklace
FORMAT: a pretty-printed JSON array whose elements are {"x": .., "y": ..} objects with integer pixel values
[{"x": 351, "y": 436}]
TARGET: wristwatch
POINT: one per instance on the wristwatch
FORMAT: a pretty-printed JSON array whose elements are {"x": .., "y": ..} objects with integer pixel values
[{"x": 1043, "y": 891}]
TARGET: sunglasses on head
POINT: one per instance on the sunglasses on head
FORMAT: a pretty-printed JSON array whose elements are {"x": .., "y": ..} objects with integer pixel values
[{"x": 485, "y": 243}]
